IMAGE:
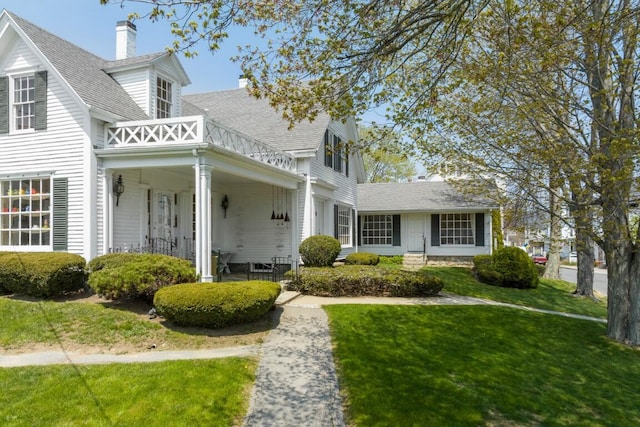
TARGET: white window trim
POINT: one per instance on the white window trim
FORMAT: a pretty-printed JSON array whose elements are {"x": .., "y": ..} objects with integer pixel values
[
  {"x": 387, "y": 221},
  {"x": 171, "y": 102},
  {"x": 349, "y": 226},
  {"x": 12, "y": 101}
]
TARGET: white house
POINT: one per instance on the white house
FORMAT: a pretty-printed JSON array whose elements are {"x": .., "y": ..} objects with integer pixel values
[
  {"x": 108, "y": 155},
  {"x": 99, "y": 155},
  {"x": 429, "y": 218}
]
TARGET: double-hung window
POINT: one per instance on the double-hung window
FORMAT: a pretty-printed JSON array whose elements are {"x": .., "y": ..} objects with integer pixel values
[
  {"x": 343, "y": 225},
  {"x": 163, "y": 99},
  {"x": 24, "y": 104}
]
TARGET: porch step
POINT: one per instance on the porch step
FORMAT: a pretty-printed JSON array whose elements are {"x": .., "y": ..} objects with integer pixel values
[{"x": 414, "y": 261}]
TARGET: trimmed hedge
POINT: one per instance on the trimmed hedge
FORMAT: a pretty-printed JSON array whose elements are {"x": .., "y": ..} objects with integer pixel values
[
  {"x": 111, "y": 260},
  {"x": 216, "y": 305},
  {"x": 319, "y": 251},
  {"x": 42, "y": 274},
  {"x": 394, "y": 259},
  {"x": 118, "y": 276},
  {"x": 362, "y": 258},
  {"x": 508, "y": 267},
  {"x": 356, "y": 280}
]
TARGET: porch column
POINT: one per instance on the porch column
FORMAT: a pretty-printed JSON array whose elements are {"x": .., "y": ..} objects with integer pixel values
[
  {"x": 205, "y": 228},
  {"x": 107, "y": 211},
  {"x": 198, "y": 213},
  {"x": 307, "y": 225}
]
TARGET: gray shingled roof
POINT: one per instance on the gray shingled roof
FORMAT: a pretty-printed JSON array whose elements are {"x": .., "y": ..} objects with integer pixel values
[
  {"x": 417, "y": 197},
  {"x": 84, "y": 72},
  {"x": 256, "y": 118}
]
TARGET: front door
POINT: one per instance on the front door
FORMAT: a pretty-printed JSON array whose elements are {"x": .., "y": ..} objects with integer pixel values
[
  {"x": 416, "y": 228},
  {"x": 165, "y": 217}
]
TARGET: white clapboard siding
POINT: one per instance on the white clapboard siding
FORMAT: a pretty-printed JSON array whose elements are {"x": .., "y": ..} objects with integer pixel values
[{"x": 136, "y": 84}]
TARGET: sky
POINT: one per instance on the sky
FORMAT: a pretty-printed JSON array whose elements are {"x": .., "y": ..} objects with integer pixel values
[{"x": 92, "y": 26}]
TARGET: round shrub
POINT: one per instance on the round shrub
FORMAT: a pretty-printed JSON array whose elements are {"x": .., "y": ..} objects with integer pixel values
[
  {"x": 111, "y": 260},
  {"x": 216, "y": 305},
  {"x": 140, "y": 276},
  {"x": 42, "y": 274},
  {"x": 515, "y": 267},
  {"x": 362, "y": 258},
  {"x": 319, "y": 251}
]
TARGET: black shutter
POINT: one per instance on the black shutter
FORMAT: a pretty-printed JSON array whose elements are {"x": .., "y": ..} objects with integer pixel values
[
  {"x": 396, "y": 230},
  {"x": 335, "y": 221},
  {"x": 346, "y": 161},
  {"x": 40, "y": 94},
  {"x": 60, "y": 214},
  {"x": 328, "y": 155},
  {"x": 359, "y": 230},
  {"x": 479, "y": 229},
  {"x": 435, "y": 230},
  {"x": 4, "y": 105}
]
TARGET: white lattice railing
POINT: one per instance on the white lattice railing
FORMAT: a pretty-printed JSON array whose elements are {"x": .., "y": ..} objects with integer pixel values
[{"x": 194, "y": 130}]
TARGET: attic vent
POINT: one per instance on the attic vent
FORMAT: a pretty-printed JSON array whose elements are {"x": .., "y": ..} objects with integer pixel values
[{"x": 125, "y": 40}]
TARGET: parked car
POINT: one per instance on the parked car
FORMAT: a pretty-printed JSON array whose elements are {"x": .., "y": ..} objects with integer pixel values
[{"x": 539, "y": 259}]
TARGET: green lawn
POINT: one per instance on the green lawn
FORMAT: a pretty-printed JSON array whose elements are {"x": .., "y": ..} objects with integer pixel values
[
  {"x": 181, "y": 393},
  {"x": 106, "y": 327},
  {"x": 549, "y": 295},
  {"x": 481, "y": 365}
]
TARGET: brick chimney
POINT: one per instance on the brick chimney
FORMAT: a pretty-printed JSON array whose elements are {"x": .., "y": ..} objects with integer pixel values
[{"x": 125, "y": 40}]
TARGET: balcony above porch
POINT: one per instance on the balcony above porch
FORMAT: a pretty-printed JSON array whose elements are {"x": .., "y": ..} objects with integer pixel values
[{"x": 179, "y": 131}]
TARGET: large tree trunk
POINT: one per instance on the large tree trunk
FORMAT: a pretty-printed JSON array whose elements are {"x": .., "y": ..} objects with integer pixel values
[
  {"x": 552, "y": 269},
  {"x": 584, "y": 247}
]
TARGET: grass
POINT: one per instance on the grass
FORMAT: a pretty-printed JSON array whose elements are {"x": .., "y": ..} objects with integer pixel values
[
  {"x": 480, "y": 365},
  {"x": 108, "y": 328},
  {"x": 549, "y": 295},
  {"x": 182, "y": 393}
]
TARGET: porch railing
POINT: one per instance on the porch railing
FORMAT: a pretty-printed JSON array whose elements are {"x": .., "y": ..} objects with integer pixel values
[
  {"x": 274, "y": 271},
  {"x": 184, "y": 248},
  {"x": 194, "y": 130}
]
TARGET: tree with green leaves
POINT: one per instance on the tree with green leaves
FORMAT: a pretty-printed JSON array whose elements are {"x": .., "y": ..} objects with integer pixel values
[
  {"x": 559, "y": 79},
  {"x": 384, "y": 159}
]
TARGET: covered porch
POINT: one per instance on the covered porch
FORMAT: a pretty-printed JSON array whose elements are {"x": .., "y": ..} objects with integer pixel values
[{"x": 188, "y": 188}]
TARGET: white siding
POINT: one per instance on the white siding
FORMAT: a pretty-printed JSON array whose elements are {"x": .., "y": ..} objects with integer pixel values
[
  {"x": 136, "y": 84},
  {"x": 60, "y": 149}
]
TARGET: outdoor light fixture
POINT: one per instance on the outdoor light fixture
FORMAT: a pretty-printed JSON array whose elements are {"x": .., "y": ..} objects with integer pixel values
[
  {"x": 225, "y": 204},
  {"x": 118, "y": 188}
]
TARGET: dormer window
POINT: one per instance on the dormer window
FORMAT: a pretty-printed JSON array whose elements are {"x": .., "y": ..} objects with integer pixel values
[{"x": 163, "y": 99}]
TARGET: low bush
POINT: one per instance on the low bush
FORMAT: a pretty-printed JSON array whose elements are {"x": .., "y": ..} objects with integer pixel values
[
  {"x": 516, "y": 268},
  {"x": 319, "y": 251},
  {"x": 510, "y": 267},
  {"x": 42, "y": 274},
  {"x": 391, "y": 260},
  {"x": 111, "y": 260},
  {"x": 356, "y": 280},
  {"x": 216, "y": 305},
  {"x": 139, "y": 276},
  {"x": 362, "y": 258}
]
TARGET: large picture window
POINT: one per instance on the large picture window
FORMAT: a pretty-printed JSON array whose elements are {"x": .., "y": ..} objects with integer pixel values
[
  {"x": 377, "y": 229},
  {"x": 457, "y": 229},
  {"x": 25, "y": 212},
  {"x": 163, "y": 99}
]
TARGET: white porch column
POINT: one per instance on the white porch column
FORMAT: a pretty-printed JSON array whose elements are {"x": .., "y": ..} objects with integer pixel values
[
  {"x": 107, "y": 211},
  {"x": 198, "y": 213},
  {"x": 307, "y": 225},
  {"x": 205, "y": 215}
]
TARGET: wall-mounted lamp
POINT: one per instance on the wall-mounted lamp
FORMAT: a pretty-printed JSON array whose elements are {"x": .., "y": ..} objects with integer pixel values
[
  {"x": 225, "y": 204},
  {"x": 118, "y": 188}
]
